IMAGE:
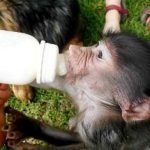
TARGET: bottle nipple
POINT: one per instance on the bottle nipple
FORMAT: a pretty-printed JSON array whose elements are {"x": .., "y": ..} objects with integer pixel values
[{"x": 61, "y": 65}]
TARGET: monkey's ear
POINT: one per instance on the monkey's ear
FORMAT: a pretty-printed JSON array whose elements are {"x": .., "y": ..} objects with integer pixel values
[{"x": 137, "y": 112}]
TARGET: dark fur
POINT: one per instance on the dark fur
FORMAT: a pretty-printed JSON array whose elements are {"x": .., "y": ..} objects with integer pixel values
[
  {"x": 54, "y": 21},
  {"x": 133, "y": 76}
]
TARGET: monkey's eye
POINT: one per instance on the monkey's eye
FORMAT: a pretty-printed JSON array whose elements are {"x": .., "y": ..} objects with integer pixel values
[{"x": 100, "y": 55}]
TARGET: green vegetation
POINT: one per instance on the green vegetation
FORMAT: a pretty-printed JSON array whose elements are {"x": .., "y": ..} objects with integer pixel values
[{"x": 55, "y": 107}]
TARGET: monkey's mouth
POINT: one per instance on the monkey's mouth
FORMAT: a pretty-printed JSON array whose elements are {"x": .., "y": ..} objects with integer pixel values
[{"x": 75, "y": 62}]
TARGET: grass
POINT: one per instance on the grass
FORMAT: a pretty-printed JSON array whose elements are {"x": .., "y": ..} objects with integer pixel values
[{"x": 55, "y": 107}]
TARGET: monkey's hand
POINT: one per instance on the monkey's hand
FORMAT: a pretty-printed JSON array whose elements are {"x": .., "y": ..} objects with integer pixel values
[{"x": 20, "y": 127}]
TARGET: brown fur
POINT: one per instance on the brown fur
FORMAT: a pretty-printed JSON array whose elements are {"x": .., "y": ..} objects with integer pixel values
[{"x": 7, "y": 22}]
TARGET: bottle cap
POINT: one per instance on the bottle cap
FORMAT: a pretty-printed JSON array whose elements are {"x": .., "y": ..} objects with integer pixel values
[{"x": 47, "y": 63}]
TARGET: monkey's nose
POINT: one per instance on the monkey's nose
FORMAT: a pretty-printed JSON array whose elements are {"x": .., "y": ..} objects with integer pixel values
[{"x": 74, "y": 50}]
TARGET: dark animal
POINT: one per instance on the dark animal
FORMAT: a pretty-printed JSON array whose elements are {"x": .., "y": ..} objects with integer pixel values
[
  {"x": 54, "y": 21},
  {"x": 110, "y": 86}
]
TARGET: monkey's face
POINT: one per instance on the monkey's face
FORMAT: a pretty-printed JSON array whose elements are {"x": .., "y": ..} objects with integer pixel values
[
  {"x": 90, "y": 69},
  {"x": 91, "y": 62}
]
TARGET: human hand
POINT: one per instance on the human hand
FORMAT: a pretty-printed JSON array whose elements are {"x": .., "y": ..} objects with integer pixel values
[{"x": 5, "y": 93}]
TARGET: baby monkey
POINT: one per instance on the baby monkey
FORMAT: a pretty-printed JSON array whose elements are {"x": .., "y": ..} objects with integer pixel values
[{"x": 110, "y": 87}]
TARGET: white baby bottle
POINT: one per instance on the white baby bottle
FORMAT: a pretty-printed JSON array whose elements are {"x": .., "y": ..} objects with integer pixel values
[{"x": 23, "y": 59}]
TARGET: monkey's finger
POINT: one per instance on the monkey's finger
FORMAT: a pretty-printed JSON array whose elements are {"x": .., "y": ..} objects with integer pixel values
[
  {"x": 12, "y": 118},
  {"x": 11, "y": 144},
  {"x": 22, "y": 146},
  {"x": 13, "y": 114},
  {"x": 12, "y": 111},
  {"x": 15, "y": 135},
  {"x": 9, "y": 127}
]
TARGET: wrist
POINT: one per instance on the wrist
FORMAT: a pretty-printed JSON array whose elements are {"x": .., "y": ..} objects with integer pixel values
[{"x": 113, "y": 2}]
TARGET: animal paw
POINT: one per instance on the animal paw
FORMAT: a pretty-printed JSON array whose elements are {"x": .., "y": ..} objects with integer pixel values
[
  {"x": 23, "y": 92},
  {"x": 20, "y": 127}
]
